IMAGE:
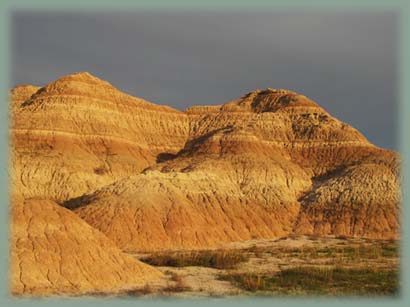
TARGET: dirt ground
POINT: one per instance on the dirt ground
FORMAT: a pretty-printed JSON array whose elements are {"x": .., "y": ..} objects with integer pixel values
[{"x": 270, "y": 256}]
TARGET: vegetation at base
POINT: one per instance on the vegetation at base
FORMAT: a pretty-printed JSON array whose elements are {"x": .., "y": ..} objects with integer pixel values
[
  {"x": 219, "y": 259},
  {"x": 348, "y": 267},
  {"x": 147, "y": 289},
  {"x": 319, "y": 281},
  {"x": 178, "y": 284},
  {"x": 341, "y": 253}
]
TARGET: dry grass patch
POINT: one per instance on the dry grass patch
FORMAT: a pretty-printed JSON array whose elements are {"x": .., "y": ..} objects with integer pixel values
[
  {"x": 179, "y": 284},
  {"x": 219, "y": 259},
  {"x": 344, "y": 253},
  {"x": 319, "y": 281},
  {"x": 147, "y": 289}
]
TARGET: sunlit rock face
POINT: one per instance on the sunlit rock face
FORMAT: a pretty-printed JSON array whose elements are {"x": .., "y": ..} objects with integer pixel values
[
  {"x": 79, "y": 133},
  {"x": 54, "y": 252},
  {"x": 149, "y": 177}
]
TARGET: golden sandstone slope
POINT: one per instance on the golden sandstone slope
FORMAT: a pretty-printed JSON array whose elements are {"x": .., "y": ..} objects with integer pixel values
[
  {"x": 55, "y": 154},
  {"x": 79, "y": 133},
  {"x": 267, "y": 165},
  {"x": 53, "y": 251},
  {"x": 149, "y": 177}
]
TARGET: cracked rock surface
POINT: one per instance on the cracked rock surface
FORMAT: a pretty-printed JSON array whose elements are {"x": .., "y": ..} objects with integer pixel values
[{"x": 53, "y": 251}]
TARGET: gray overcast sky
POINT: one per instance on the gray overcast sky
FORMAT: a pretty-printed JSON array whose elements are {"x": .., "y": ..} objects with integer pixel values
[{"x": 345, "y": 61}]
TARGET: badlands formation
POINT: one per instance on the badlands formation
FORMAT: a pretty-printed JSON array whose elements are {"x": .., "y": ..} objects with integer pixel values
[
  {"x": 54, "y": 252},
  {"x": 96, "y": 173}
]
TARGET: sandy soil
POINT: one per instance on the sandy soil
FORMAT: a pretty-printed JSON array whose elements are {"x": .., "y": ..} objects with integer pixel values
[{"x": 265, "y": 256}]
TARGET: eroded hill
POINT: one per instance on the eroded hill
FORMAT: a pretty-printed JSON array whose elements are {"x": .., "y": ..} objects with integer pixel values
[
  {"x": 149, "y": 177},
  {"x": 54, "y": 252}
]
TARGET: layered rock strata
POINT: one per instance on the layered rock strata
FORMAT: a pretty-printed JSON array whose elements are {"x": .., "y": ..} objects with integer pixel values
[{"x": 147, "y": 177}]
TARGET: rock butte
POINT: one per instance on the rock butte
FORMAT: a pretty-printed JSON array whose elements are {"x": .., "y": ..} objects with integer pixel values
[{"x": 150, "y": 177}]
